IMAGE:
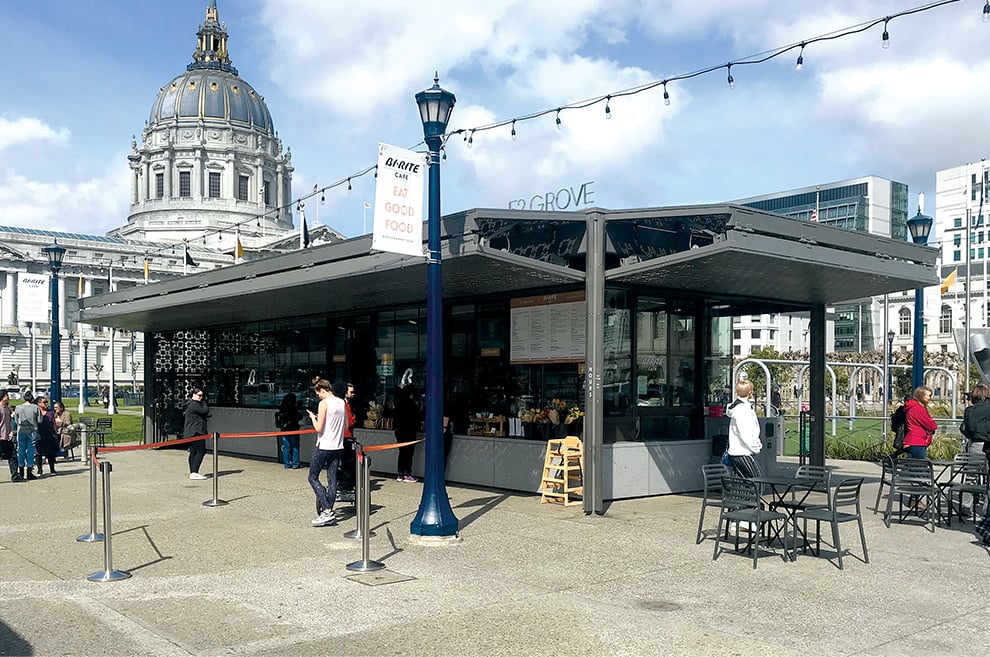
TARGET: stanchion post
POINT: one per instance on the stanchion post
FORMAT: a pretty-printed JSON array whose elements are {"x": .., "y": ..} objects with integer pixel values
[
  {"x": 216, "y": 472},
  {"x": 93, "y": 536},
  {"x": 360, "y": 493},
  {"x": 365, "y": 565},
  {"x": 108, "y": 574},
  {"x": 84, "y": 443}
]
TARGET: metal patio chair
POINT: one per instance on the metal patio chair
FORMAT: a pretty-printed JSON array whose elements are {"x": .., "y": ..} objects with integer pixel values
[
  {"x": 741, "y": 504},
  {"x": 843, "y": 506},
  {"x": 712, "y": 496}
]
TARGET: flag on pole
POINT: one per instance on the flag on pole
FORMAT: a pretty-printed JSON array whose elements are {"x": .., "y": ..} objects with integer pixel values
[
  {"x": 949, "y": 281},
  {"x": 303, "y": 231},
  {"x": 80, "y": 286},
  {"x": 187, "y": 259},
  {"x": 238, "y": 250},
  {"x": 147, "y": 270},
  {"x": 814, "y": 215}
]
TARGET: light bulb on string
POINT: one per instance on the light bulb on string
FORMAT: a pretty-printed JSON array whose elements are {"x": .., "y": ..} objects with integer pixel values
[
  {"x": 886, "y": 36},
  {"x": 513, "y": 129},
  {"x": 443, "y": 153},
  {"x": 349, "y": 186},
  {"x": 560, "y": 125},
  {"x": 323, "y": 197},
  {"x": 666, "y": 96},
  {"x": 986, "y": 12},
  {"x": 608, "y": 110},
  {"x": 800, "y": 60},
  {"x": 470, "y": 139},
  {"x": 729, "y": 78}
]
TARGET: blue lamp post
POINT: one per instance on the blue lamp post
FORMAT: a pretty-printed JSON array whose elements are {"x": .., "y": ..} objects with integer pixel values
[
  {"x": 55, "y": 255},
  {"x": 435, "y": 518},
  {"x": 920, "y": 226}
]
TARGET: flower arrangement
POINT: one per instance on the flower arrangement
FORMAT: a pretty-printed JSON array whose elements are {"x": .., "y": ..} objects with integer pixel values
[
  {"x": 574, "y": 413},
  {"x": 373, "y": 416}
]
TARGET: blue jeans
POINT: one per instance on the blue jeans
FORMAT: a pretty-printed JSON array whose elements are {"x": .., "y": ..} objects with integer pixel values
[
  {"x": 290, "y": 451},
  {"x": 25, "y": 449},
  {"x": 917, "y": 451},
  {"x": 324, "y": 459}
]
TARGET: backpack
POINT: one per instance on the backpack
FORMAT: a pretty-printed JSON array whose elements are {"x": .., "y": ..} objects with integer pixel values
[{"x": 898, "y": 423}]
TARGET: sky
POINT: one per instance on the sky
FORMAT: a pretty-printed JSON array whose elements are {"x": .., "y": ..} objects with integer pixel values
[{"x": 80, "y": 77}]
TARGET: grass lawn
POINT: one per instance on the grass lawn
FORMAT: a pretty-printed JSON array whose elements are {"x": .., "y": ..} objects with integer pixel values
[{"x": 126, "y": 428}]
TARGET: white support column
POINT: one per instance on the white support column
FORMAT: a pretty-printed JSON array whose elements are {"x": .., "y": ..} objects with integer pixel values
[{"x": 9, "y": 309}]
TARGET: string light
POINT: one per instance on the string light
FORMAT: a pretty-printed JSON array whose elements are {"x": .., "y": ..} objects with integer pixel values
[
  {"x": 443, "y": 153},
  {"x": 513, "y": 130},
  {"x": 986, "y": 12},
  {"x": 349, "y": 188},
  {"x": 323, "y": 197},
  {"x": 754, "y": 59}
]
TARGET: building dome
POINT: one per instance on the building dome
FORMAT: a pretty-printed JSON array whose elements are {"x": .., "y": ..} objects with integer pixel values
[
  {"x": 211, "y": 95},
  {"x": 209, "y": 161}
]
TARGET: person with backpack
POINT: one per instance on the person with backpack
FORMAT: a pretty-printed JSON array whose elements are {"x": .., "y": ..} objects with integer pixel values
[
  {"x": 898, "y": 425},
  {"x": 920, "y": 427}
]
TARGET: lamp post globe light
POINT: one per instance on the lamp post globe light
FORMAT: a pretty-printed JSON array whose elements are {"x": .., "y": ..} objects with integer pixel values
[
  {"x": 55, "y": 254},
  {"x": 920, "y": 226},
  {"x": 435, "y": 520},
  {"x": 890, "y": 370}
]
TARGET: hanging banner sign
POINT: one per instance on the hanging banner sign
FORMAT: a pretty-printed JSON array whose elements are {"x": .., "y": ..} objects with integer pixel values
[
  {"x": 398, "y": 226},
  {"x": 33, "y": 304}
]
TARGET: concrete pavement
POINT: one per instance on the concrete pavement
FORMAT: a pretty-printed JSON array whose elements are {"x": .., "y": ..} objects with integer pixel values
[{"x": 254, "y": 578}]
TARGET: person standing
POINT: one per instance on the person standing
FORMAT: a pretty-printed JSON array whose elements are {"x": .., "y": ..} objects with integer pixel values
[
  {"x": 920, "y": 425},
  {"x": 744, "y": 433},
  {"x": 775, "y": 401},
  {"x": 194, "y": 424},
  {"x": 47, "y": 446},
  {"x": 8, "y": 446},
  {"x": 27, "y": 416},
  {"x": 346, "y": 477},
  {"x": 63, "y": 423},
  {"x": 287, "y": 418},
  {"x": 406, "y": 428},
  {"x": 329, "y": 424}
]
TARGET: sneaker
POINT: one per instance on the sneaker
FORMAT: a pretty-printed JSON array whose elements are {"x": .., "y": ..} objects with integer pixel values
[
  {"x": 409, "y": 480},
  {"x": 196, "y": 476},
  {"x": 324, "y": 519},
  {"x": 400, "y": 478}
]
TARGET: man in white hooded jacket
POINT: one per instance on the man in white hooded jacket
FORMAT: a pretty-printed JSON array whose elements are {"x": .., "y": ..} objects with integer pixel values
[{"x": 744, "y": 433}]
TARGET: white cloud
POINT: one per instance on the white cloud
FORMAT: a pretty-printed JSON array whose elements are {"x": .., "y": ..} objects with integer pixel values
[
  {"x": 28, "y": 129},
  {"x": 91, "y": 206}
]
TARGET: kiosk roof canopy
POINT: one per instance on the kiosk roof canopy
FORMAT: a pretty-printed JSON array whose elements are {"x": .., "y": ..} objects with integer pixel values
[{"x": 721, "y": 252}]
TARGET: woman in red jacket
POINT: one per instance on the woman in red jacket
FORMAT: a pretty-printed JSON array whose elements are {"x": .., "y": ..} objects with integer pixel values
[{"x": 920, "y": 425}]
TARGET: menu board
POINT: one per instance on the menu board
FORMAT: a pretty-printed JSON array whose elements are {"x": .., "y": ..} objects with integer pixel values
[{"x": 549, "y": 328}]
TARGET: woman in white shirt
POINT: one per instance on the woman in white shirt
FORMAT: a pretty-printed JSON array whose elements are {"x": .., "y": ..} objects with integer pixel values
[{"x": 744, "y": 433}]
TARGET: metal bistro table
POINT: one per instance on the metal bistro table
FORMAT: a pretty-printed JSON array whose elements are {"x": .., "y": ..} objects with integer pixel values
[{"x": 780, "y": 487}]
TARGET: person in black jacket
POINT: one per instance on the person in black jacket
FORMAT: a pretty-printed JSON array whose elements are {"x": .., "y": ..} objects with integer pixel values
[
  {"x": 406, "y": 427},
  {"x": 287, "y": 418},
  {"x": 976, "y": 420},
  {"x": 194, "y": 424}
]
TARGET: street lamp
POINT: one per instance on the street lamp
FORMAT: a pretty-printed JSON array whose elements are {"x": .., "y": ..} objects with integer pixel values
[
  {"x": 55, "y": 255},
  {"x": 890, "y": 370},
  {"x": 435, "y": 519},
  {"x": 920, "y": 226}
]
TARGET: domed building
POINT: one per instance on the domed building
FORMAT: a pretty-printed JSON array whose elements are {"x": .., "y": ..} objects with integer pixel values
[{"x": 209, "y": 159}]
